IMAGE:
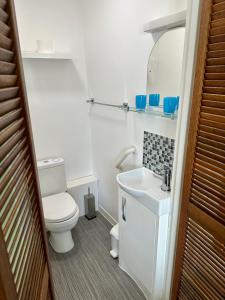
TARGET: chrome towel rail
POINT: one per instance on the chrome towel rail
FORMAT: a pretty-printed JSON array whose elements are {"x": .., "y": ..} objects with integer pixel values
[{"x": 124, "y": 106}]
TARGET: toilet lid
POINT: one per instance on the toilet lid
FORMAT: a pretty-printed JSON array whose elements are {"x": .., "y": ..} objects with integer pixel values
[{"x": 59, "y": 207}]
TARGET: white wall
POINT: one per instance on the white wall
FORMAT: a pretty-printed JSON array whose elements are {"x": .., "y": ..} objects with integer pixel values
[
  {"x": 57, "y": 89},
  {"x": 107, "y": 37},
  {"x": 117, "y": 52}
]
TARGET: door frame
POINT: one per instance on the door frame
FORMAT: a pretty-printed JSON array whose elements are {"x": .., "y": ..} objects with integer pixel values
[{"x": 189, "y": 60}]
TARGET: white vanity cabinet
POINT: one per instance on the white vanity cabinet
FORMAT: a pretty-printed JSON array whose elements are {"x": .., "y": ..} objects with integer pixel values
[{"x": 142, "y": 245}]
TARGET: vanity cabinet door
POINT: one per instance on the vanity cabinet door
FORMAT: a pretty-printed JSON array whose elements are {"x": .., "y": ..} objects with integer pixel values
[{"x": 137, "y": 244}]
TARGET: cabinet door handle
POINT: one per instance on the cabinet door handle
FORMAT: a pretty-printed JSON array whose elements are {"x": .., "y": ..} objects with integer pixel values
[{"x": 124, "y": 200}]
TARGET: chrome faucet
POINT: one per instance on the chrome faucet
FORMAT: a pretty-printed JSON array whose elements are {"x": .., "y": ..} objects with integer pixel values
[{"x": 166, "y": 180}]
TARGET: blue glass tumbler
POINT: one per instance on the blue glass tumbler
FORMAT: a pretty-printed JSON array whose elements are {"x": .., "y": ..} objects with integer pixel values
[
  {"x": 154, "y": 99},
  {"x": 170, "y": 105},
  {"x": 141, "y": 101}
]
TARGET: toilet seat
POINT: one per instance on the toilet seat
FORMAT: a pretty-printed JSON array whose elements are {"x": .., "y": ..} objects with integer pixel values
[{"x": 59, "y": 207}]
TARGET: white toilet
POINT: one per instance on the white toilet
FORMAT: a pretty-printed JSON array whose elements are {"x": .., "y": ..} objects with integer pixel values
[{"x": 61, "y": 212}]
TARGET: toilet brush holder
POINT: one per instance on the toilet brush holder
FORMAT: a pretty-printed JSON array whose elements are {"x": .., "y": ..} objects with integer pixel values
[{"x": 89, "y": 204}]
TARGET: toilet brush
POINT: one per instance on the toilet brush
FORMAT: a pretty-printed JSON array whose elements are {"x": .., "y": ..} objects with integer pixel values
[{"x": 89, "y": 203}]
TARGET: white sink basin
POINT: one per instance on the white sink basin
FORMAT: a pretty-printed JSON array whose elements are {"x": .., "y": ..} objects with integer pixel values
[{"x": 145, "y": 186}]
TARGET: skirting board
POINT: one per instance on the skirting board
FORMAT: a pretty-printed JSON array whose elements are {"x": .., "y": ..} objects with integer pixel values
[{"x": 107, "y": 216}]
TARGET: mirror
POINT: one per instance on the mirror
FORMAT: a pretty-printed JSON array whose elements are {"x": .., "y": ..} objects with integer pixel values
[{"x": 165, "y": 64}]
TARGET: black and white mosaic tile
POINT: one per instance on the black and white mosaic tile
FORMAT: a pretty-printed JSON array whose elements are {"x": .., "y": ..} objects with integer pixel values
[{"x": 158, "y": 152}]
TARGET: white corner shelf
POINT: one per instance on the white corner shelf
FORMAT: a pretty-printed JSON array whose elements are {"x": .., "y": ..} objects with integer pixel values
[
  {"x": 166, "y": 23},
  {"x": 54, "y": 55}
]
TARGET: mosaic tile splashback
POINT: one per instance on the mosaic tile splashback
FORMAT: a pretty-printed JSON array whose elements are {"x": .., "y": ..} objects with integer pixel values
[{"x": 158, "y": 152}]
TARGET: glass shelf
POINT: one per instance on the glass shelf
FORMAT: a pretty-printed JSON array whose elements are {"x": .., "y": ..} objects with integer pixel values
[
  {"x": 150, "y": 110},
  {"x": 154, "y": 112}
]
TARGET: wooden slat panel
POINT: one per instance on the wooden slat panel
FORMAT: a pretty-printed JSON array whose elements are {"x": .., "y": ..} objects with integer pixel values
[
  {"x": 218, "y": 15},
  {"x": 214, "y": 90},
  {"x": 9, "y": 118},
  {"x": 218, "y": 23},
  {"x": 4, "y": 29},
  {"x": 16, "y": 210},
  {"x": 5, "y": 42},
  {"x": 13, "y": 182},
  {"x": 33, "y": 257},
  {"x": 24, "y": 243},
  {"x": 191, "y": 275},
  {"x": 215, "y": 69},
  {"x": 210, "y": 186},
  {"x": 7, "y": 203},
  {"x": 21, "y": 201},
  {"x": 33, "y": 290},
  {"x": 214, "y": 97},
  {"x": 208, "y": 223},
  {"x": 20, "y": 157},
  {"x": 210, "y": 154},
  {"x": 218, "y": 1},
  {"x": 9, "y": 105},
  {"x": 203, "y": 274},
  {"x": 23, "y": 270},
  {"x": 213, "y": 123},
  {"x": 8, "y": 145},
  {"x": 211, "y": 148},
  {"x": 11, "y": 155},
  {"x": 211, "y": 129},
  {"x": 213, "y": 110},
  {"x": 217, "y": 31},
  {"x": 216, "y": 54},
  {"x": 6, "y": 68},
  {"x": 214, "y": 83},
  {"x": 204, "y": 204},
  {"x": 208, "y": 242},
  {"x": 219, "y": 6},
  {"x": 10, "y": 130},
  {"x": 200, "y": 259},
  {"x": 209, "y": 160},
  {"x": 210, "y": 103},
  {"x": 3, "y": 4},
  {"x": 203, "y": 171},
  {"x": 3, "y": 16},
  {"x": 8, "y": 93},
  {"x": 7, "y": 287},
  {"x": 32, "y": 243},
  {"x": 216, "y": 61},
  {"x": 6, "y": 55},
  {"x": 212, "y": 117},
  {"x": 213, "y": 137},
  {"x": 7, "y": 80},
  {"x": 22, "y": 230},
  {"x": 205, "y": 266},
  {"x": 188, "y": 290},
  {"x": 44, "y": 286},
  {"x": 215, "y": 76},
  {"x": 216, "y": 47},
  {"x": 215, "y": 199},
  {"x": 217, "y": 39}
]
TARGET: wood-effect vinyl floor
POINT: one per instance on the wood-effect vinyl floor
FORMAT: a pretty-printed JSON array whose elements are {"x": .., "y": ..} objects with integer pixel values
[{"x": 88, "y": 272}]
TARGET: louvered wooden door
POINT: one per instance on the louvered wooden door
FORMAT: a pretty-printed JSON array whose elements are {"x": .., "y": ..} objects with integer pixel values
[
  {"x": 24, "y": 269},
  {"x": 199, "y": 271}
]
